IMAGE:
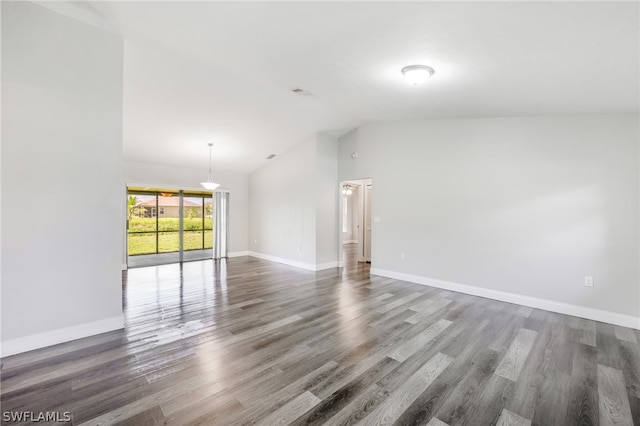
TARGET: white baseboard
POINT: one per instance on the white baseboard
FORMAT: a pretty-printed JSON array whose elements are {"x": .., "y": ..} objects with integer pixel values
[
  {"x": 124, "y": 266},
  {"x": 533, "y": 302},
  {"x": 328, "y": 265},
  {"x": 302, "y": 265},
  {"x": 237, "y": 254},
  {"x": 61, "y": 335}
]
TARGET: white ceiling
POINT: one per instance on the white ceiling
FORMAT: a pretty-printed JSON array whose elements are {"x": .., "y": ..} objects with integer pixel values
[{"x": 196, "y": 72}]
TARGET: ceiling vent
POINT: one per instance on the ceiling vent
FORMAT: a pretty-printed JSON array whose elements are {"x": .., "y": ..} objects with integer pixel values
[
  {"x": 271, "y": 156},
  {"x": 299, "y": 91}
]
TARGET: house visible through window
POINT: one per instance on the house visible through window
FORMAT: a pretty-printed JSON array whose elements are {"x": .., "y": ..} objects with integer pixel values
[{"x": 158, "y": 218}]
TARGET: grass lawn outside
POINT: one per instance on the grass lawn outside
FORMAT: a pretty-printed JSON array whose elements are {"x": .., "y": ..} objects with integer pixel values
[
  {"x": 139, "y": 224},
  {"x": 145, "y": 243}
]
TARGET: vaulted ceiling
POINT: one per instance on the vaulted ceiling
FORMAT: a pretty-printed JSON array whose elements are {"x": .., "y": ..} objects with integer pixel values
[{"x": 196, "y": 72}]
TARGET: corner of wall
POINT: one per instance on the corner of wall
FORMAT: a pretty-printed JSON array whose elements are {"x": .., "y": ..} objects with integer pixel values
[
  {"x": 282, "y": 210},
  {"x": 67, "y": 334},
  {"x": 327, "y": 200}
]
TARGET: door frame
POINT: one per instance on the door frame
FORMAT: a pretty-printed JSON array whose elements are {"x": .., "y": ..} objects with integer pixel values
[
  {"x": 181, "y": 193},
  {"x": 367, "y": 188},
  {"x": 362, "y": 184}
]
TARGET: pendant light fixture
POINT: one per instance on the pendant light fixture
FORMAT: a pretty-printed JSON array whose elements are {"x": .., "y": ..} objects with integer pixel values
[{"x": 210, "y": 184}]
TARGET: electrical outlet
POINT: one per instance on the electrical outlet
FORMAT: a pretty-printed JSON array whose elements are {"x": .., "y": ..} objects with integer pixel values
[
  {"x": 588, "y": 281},
  {"x": 401, "y": 256}
]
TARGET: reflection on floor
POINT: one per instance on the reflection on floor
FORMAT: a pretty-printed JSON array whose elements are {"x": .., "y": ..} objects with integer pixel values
[
  {"x": 246, "y": 341},
  {"x": 350, "y": 261},
  {"x": 166, "y": 258}
]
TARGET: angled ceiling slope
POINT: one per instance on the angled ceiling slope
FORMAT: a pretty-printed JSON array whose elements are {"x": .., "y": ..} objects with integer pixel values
[{"x": 224, "y": 71}]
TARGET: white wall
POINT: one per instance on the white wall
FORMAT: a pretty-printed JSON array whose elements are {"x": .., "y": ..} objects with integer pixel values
[
  {"x": 327, "y": 201},
  {"x": 282, "y": 206},
  {"x": 516, "y": 205},
  {"x": 159, "y": 176},
  {"x": 61, "y": 178},
  {"x": 293, "y": 206}
]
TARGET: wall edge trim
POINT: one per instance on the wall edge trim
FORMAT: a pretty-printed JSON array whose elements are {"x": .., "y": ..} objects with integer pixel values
[
  {"x": 237, "y": 254},
  {"x": 328, "y": 265},
  {"x": 532, "y": 302},
  {"x": 295, "y": 263},
  {"x": 60, "y": 335}
]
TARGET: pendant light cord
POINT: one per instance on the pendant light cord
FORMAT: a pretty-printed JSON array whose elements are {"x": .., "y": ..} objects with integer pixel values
[{"x": 210, "y": 177}]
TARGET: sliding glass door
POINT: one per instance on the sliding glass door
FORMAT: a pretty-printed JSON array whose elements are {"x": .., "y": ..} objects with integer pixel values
[
  {"x": 168, "y": 226},
  {"x": 198, "y": 226}
]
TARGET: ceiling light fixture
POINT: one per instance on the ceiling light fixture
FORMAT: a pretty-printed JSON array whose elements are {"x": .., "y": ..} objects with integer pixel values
[
  {"x": 346, "y": 189},
  {"x": 416, "y": 74},
  {"x": 210, "y": 184}
]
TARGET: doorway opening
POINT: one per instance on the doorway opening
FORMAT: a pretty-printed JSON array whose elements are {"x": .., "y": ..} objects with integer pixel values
[
  {"x": 168, "y": 226},
  {"x": 355, "y": 223}
]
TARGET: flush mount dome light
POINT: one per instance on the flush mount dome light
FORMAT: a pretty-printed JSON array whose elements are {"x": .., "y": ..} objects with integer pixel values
[{"x": 416, "y": 74}]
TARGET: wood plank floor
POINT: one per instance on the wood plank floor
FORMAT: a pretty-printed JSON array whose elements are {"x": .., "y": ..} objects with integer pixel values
[{"x": 247, "y": 341}]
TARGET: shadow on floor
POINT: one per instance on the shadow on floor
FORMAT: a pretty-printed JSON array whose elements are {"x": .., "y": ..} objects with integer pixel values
[{"x": 166, "y": 258}]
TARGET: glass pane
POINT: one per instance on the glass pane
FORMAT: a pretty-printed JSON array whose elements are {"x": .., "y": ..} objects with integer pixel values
[
  {"x": 193, "y": 212},
  {"x": 169, "y": 213},
  {"x": 192, "y": 240},
  {"x": 208, "y": 223},
  {"x": 208, "y": 239},
  {"x": 142, "y": 224},
  {"x": 168, "y": 241},
  {"x": 154, "y": 226},
  {"x": 208, "y": 213},
  {"x": 142, "y": 243}
]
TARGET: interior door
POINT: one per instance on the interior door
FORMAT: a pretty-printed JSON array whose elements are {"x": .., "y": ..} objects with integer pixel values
[{"x": 367, "y": 223}]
